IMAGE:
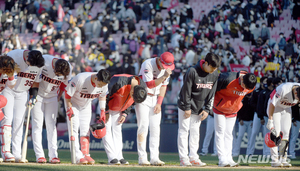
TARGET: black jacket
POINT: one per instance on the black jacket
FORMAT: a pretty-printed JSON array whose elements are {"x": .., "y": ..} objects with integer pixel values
[
  {"x": 246, "y": 113},
  {"x": 254, "y": 98},
  {"x": 198, "y": 90},
  {"x": 263, "y": 98},
  {"x": 295, "y": 113}
]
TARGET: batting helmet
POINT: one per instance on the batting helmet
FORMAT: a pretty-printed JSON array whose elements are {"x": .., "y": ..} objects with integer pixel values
[
  {"x": 98, "y": 130},
  {"x": 271, "y": 140},
  {"x": 3, "y": 101},
  {"x": 139, "y": 94}
]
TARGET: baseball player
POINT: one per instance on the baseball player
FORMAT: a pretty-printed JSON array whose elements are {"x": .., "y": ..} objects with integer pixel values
[
  {"x": 194, "y": 103},
  {"x": 279, "y": 113},
  {"x": 79, "y": 93},
  {"x": 7, "y": 69},
  {"x": 124, "y": 90},
  {"x": 47, "y": 91},
  {"x": 30, "y": 64},
  {"x": 155, "y": 72},
  {"x": 257, "y": 123},
  {"x": 231, "y": 89}
]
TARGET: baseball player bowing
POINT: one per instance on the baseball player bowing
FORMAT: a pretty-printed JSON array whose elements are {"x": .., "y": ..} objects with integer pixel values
[
  {"x": 79, "y": 93},
  {"x": 7, "y": 69},
  {"x": 231, "y": 89},
  {"x": 155, "y": 73},
  {"x": 30, "y": 63},
  {"x": 124, "y": 90},
  {"x": 47, "y": 91},
  {"x": 280, "y": 102},
  {"x": 194, "y": 103}
]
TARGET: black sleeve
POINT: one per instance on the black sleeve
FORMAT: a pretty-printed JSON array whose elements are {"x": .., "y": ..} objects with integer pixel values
[
  {"x": 186, "y": 90},
  {"x": 261, "y": 107},
  {"x": 222, "y": 81},
  {"x": 210, "y": 98},
  {"x": 253, "y": 101},
  {"x": 127, "y": 111}
]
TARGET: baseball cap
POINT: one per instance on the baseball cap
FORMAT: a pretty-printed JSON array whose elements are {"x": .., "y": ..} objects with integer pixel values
[{"x": 167, "y": 60}]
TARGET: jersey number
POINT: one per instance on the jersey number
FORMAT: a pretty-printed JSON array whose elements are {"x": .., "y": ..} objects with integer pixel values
[{"x": 28, "y": 83}]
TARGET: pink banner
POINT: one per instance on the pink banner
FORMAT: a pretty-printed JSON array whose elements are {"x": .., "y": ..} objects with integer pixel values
[
  {"x": 235, "y": 67},
  {"x": 173, "y": 4}
]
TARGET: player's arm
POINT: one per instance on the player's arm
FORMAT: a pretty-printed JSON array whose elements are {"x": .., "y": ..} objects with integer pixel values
[
  {"x": 147, "y": 76},
  {"x": 70, "y": 90},
  {"x": 33, "y": 92},
  {"x": 209, "y": 102},
  {"x": 102, "y": 105},
  {"x": 223, "y": 81},
  {"x": 274, "y": 97},
  {"x": 186, "y": 91},
  {"x": 160, "y": 99},
  {"x": 11, "y": 81},
  {"x": 61, "y": 90}
]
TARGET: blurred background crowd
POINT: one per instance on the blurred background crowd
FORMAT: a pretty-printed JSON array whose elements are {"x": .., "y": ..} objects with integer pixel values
[{"x": 261, "y": 36}]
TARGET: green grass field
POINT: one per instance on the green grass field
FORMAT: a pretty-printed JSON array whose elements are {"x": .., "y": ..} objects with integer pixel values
[{"x": 171, "y": 159}]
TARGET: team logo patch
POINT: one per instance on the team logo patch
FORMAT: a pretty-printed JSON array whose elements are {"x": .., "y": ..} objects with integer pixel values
[
  {"x": 146, "y": 71},
  {"x": 277, "y": 95},
  {"x": 73, "y": 84}
]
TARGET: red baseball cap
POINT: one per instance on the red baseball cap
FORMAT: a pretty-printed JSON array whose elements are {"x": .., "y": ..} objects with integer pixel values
[{"x": 167, "y": 60}]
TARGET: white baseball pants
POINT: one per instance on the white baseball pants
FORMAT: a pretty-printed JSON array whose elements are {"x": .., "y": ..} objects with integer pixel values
[
  {"x": 188, "y": 127},
  {"x": 282, "y": 120},
  {"x": 81, "y": 121},
  {"x": 146, "y": 118},
  {"x": 294, "y": 136},
  {"x": 255, "y": 130},
  {"x": 14, "y": 114},
  {"x": 113, "y": 141},
  {"x": 210, "y": 129},
  {"x": 242, "y": 129},
  {"x": 48, "y": 110},
  {"x": 223, "y": 137}
]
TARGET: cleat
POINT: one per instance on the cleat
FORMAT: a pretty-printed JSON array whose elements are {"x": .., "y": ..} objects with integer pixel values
[
  {"x": 214, "y": 154},
  {"x": 41, "y": 160},
  {"x": 185, "y": 162},
  {"x": 82, "y": 161},
  {"x": 157, "y": 163},
  {"x": 203, "y": 154},
  {"x": 197, "y": 162},
  {"x": 233, "y": 164},
  {"x": 144, "y": 163},
  {"x": 89, "y": 159},
  {"x": 8, "y": 157},
  {"x": 276, "y": 164},
  {"x": 114, "y": 162},
  {"x": 21, "y": 161},
  {"x": 224, "y": 165},
  {"x": 124, "y": 162},
  {"x": 286, "y": 164},
  {"x": 55, "y": 160}
]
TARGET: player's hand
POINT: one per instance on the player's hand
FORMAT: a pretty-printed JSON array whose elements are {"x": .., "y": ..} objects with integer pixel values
[
  {"x": 107, "y": 117},
  {"x": 262, "y": 121},
  {"x": 58, "y": 98},
  {"x": 102, "y": 116},
  {"x": 204, "y": 115},
  {"x": 168, "y": 72},
  {"x": 295, "y": 124},
  {"x": 241, "y": 122},
  {"x": 187, "y": 113},
  {"x": 70, "y": 113},
  {"x": 122, "y": 118},
  {"x": 32, "y": 101},
  {"x": 157, "y": 108},
  {"x": 270, "y": 124}
]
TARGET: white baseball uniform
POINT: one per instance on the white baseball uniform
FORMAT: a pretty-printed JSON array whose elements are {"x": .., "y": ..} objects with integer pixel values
[
  {"x": 14, "y": 110},
  {"x": 282, "y": 98},
  {"x": 210, "y": 129},
  {"x": 47, "y": 106},
  {"x": 145, "y": 112},
  {"x": 82, "y": 92}
]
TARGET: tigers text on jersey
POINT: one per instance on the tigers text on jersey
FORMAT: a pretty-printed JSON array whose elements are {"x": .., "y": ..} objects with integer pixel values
[
  {"x": 149, "y": 71},
  {"x": 27, "y": 75},
  {"x": 283, "y": 96},
  {"x": 82, "y": 91},
  {"x": 49, "y": 82}
]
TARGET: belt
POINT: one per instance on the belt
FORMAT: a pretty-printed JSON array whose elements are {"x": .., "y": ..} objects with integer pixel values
[{"x": 149, "y": 94}]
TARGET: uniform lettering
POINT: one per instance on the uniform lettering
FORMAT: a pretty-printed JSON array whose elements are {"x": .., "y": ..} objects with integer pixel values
[
  {"x": 287, "y": 103},
  {"x": 3, "y": 81},
  {"x": 89, "y": 96},
  {"x": 50, "y": 80},
  {"x": 208, "y": 86},
  {"x": 239, "y": 93},
  {"x": 27, "y": 75}
]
